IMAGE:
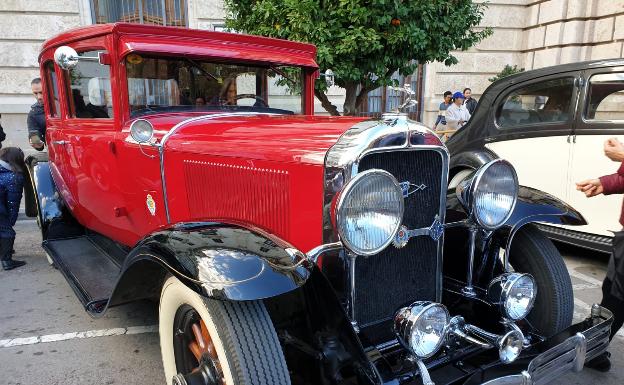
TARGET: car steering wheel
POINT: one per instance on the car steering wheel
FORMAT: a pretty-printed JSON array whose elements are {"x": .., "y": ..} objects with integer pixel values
[{"x": 258, "y": 99}]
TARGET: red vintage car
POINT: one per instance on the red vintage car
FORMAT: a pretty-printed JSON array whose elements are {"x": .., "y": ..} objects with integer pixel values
[{"x": 287, "y": 248}]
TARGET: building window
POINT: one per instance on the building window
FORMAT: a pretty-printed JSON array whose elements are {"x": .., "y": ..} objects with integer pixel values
[{"x": 159, "y": 12}]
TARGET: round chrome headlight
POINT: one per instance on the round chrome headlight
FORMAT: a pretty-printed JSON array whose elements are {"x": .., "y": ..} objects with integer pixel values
[
  {"x": 516, "y": 294},
  {"x": 369, "y": 211},
  {"x": 141, "y": 131},
  {"x": 491, "y": 194},
  {"x": 422, "y": 327}
]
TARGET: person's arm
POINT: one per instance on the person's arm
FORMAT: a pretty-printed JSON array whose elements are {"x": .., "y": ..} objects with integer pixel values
[
  {"x": 14, "y": 197},
  {"x": 438, "y": 120},
  {"x": 612, "y": 184},
  {"x": 34, "y": 131}
]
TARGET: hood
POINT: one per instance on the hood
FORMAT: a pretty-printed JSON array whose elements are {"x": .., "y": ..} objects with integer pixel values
[{"x": 282, "y": 138}]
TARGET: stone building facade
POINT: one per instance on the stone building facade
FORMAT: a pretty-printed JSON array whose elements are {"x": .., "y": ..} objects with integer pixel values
[
  {"x": 530, "y": 34},
  {"x": 527, "y": 33}
]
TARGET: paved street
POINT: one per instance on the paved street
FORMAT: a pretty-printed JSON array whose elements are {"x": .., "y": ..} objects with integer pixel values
[{"x": 47, "y": 338}]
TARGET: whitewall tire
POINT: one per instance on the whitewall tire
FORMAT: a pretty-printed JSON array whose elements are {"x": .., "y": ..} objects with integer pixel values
[{"x": 242, "y": 345}]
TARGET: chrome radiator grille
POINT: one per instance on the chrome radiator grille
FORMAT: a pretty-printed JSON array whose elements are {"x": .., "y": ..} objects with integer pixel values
[{"x": 395, "y": 277}]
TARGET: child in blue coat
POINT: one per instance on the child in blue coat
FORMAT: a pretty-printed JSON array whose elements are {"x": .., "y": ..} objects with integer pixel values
[{"x": 12, "y": 170}]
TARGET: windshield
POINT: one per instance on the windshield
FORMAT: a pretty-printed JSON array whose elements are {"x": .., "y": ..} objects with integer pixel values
[{"x": 161, "y": 84}]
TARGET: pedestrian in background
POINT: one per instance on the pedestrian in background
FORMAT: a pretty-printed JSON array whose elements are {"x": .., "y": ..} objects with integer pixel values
[
  {"x": 36, "y": 117},
  {"x": 613, "y": 284},
  {"x": 469, "y": 101},
  {"x": 2, "y": 134},
  {"x": 12, "y": 170},
  {"x": 441, "y": 120},
  {"x": 456, "y": 114}
]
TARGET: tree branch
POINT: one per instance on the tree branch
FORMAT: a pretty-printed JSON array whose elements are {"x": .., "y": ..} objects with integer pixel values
[{"x": 327, "y": 105}]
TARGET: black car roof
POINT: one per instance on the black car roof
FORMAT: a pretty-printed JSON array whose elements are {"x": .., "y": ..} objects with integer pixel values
[{"x": 578, "y": 66}]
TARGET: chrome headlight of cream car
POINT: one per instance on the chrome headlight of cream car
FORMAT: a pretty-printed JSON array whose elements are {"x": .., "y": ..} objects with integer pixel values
[{"x": 491, "y": 194}]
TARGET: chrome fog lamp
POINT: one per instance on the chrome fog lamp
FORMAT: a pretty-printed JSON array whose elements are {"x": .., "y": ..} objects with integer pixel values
[
  {"x": 422, "y": 327},
  {"x": 369, "y": 211},
  {"x": 491, "y": 194},
  {"x": 141, "y": 131},
  {"x": 515, "y": 293},
  {"x": 510, "y": 346}
]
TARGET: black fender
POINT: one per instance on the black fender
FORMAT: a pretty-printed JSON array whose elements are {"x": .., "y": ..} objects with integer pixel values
[
  {"x": 472, "y": 159},
  {"x": 217, "y": 260},
  {"x": 532, "y": 206},
  {"x": 43, "y": 200}
]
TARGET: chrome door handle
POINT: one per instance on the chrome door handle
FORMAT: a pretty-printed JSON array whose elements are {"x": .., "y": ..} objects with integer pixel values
[{"x": 59, "y": 142}]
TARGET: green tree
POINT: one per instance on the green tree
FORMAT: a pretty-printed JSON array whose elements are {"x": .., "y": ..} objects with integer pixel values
[
  {"x": 365, "y": 41},
  {"x": 507, "y": 71}
]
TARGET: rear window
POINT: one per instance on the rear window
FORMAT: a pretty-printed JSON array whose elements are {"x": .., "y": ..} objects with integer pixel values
[
  {"x": 539, "y": 103},
  {"x": 605, "y": 97}
]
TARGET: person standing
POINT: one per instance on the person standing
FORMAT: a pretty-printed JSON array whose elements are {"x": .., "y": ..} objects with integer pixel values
[
  {"x": 456, "y": 114},
  {"x": 36, "y": 117},
  {"x": 2, "y": 134},
  {"x": 469, "y": 101},
  {"x": 441, "y": 120},
  {"x": 613, "y": 284},
  {"x": 11, "y": 186}
]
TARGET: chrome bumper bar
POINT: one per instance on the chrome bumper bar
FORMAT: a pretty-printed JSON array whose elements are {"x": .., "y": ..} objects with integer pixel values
[{"x": 568, "y": 356}]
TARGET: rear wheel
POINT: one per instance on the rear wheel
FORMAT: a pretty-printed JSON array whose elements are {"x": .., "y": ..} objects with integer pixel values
[
  {"x": 532, "y": 252},
  {"x": 209, "y": 342}
]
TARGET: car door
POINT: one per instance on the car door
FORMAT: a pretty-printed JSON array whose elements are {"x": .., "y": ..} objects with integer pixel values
[
  {"x": 534, "y": 122},
  {"x": 53, "y": 108},
  {"x": 601, "y": 116},
  {"x": 88, "y": 140}
]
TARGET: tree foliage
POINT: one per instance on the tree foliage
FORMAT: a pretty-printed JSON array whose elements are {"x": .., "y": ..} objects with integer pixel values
[
  {"x": 507, "y": 71},
  {"x": 365, "y": 41}
]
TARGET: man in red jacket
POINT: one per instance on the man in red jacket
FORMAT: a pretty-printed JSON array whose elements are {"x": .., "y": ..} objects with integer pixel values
[{"x": 613, "y": 285}]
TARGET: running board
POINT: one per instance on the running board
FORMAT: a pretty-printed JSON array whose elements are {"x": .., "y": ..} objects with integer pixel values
[
  {"x": 577, "y": 238},
  {"x": 88, "y": 269}
]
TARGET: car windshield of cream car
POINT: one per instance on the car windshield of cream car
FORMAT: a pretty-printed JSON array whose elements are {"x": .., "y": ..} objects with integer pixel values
[{"x": 167, "y": 84}]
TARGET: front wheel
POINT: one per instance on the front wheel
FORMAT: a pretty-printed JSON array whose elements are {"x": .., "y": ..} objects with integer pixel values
[
  {"x": 532, "y": 252},
  {"x": 209, "y": 342}
]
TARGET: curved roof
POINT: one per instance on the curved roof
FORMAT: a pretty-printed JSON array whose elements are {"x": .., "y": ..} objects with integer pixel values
[{"x": 153, "y": 38}]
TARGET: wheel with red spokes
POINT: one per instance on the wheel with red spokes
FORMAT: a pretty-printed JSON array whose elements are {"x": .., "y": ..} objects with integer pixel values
[{"x": 209, "y": 342}]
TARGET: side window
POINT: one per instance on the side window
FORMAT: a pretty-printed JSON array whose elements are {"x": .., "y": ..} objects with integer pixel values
[
  {"x": 90, "y": 89},
  {"x": 605, "y": 97},
  {"x": 544, "y": 102},
  {"x": 52, "y": 87}
]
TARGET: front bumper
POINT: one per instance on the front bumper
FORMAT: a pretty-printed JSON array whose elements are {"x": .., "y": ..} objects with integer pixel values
[{"x": 566, "y": 352}]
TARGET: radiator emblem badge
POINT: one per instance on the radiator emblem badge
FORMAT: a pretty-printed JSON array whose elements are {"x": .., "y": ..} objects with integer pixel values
[
  {"x": 403, "y": 236},
  {"x": 410, "y": 188},
  {"x": 151, "y": 204}
]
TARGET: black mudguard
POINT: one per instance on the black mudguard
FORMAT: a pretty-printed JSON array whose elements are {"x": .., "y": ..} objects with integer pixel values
[
  {"x": 43, "y": 200},
  {"x": 470, "y": 160},
  {"x": 532, "y": 206},
  {"x": 217, "y": 260}
]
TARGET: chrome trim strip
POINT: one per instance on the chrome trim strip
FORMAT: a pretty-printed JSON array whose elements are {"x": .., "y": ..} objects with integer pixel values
[{"x": 163, "y": 141}]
